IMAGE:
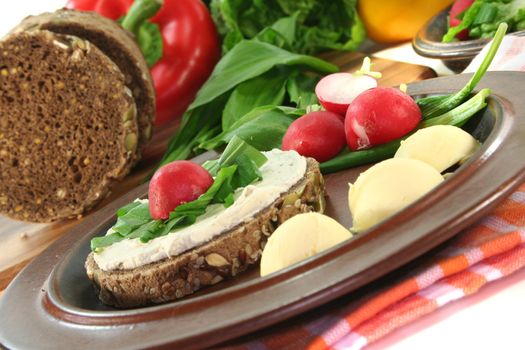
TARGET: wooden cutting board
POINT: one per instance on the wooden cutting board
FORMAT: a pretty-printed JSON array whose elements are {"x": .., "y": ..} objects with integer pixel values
[{"x": 21, "y": 242}]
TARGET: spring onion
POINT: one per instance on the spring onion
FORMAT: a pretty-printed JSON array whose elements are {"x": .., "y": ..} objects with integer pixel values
[
  {"x": 457, "y": 117},
  {"x": 434, "y": 106}
]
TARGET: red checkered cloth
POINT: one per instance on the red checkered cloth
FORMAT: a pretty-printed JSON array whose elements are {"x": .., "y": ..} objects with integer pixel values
[{"x": 491, "y": 249}]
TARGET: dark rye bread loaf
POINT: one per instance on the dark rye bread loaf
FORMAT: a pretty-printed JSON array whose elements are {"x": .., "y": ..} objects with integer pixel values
[
  {"x": 229, "y": 254},
  {"x": 68, "y": 126},
  {"x": 118, "y": 44}
]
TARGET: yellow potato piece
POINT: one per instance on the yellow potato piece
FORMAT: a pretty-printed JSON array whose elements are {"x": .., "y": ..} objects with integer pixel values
[
  {"x": 388, "y": 187},
  {"x": 299, "y": 238},
  {"x": 440, "y": 146}
]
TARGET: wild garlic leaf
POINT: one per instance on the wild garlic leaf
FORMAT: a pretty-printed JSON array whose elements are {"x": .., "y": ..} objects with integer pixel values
[{"x": 237, "y": 167}]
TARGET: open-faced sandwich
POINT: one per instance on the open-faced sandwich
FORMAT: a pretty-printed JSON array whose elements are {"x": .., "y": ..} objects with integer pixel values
[{"x": 224, "y": 213}]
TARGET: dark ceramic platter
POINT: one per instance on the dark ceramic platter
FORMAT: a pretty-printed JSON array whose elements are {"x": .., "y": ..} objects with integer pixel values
[
  {"x": 455, "y": 55},
  {"x": 51, "y": 304}
]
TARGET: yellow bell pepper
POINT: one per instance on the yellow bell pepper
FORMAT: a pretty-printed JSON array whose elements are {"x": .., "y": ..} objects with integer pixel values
[{"x": 389, "y": 21}]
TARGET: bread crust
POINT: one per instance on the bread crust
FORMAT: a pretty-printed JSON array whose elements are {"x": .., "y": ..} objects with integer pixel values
[
  {"x": 224, "y": 257},
  {"x": 67, "y": 124},
  {"x": 119, "y": 45}
]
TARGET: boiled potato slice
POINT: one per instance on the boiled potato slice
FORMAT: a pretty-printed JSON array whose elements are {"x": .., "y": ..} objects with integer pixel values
[
  {"x": 299, "y": 238},
  {"x": 388, "y": 187},
  {"x": 440, "y": 146}
]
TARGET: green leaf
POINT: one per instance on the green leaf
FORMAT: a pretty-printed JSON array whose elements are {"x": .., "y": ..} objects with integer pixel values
[
  {"x": 226, "y": 183},
  {"x": 172, "y": 223},
  {"x": 229, "y": 200},
  {"x": 224, "y": 192},
  {"x": 486, "y": 14},
  {"x": 247, "y": 172},
  {"x": 198, "y": 206},
  {"x": 148, "y": 228},
  {"x": 238, "y": 148},
  {"x": 97, "y": 243},
  {"x": 135, "y": 217},
  {"x": 263, "y": 128},
  {"x": 230, "y": 40},
  {"x": 301, "y": 7},
  {"x": 247, "y": 60},
  {"x": 225, "y": 136},
  {"x": 159, "y": 229},
  {"x": 224, "y": 14},
  {"x": 194, "y": 126},
  {"x": 320, "y": 25},
  {"x": 434, "y": 106},
  {"x": 286, "y": 27},
  {"x": 266, "y": 89},
  {"x": 281, "y": 34},
  {"x": 125, "y": 209},
  {"x": 271, "y": 36},
  {"x": 301, "y": 89}
]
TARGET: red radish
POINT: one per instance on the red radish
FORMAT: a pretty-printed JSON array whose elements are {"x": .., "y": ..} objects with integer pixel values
[
  {"x": 336, "y": 91},
  {"x": 378, "y": 116},
  {"x": 320, "y": 135},
  {"x": 176, "y": 183},
  {"x": 457, "y": 8}
]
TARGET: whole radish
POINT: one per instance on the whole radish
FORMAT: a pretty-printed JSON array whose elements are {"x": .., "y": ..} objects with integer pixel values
[
  {"x": 336, "y": 91},
  {"x": 378, "y": 116},
  {"x": 176, "y": 183},
  {"x": 320, "y": 135}
]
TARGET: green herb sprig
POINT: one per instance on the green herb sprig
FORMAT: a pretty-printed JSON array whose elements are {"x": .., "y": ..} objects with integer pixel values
[
  {"x": 237, "y": 167},
  {"x": 434, "y": 106}
]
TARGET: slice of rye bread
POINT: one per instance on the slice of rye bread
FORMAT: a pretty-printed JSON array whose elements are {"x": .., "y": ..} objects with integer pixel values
[
  {"x": 225, "y": 256},
  {"x": 118, "y": 44},
  {"x": 68, "y": 126}
]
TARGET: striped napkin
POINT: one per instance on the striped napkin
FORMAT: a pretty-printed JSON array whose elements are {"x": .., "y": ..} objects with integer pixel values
[{"x": 491, "y": 249}]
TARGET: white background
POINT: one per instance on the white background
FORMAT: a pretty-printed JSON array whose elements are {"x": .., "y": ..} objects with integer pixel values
[{"x": 491, "y": 319}]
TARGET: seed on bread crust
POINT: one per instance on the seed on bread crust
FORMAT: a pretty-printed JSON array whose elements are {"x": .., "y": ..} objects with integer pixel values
[
  {"x": 240, "y": 248},
  {"x": 216, "y": 260}
]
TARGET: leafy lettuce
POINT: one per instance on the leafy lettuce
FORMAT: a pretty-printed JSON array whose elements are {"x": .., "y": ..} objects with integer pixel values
[
  {"x": 483, "y": 17},
  {"x": 321, "y": 25}
]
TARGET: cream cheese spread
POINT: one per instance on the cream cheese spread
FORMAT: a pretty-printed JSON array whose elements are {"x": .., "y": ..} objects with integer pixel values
[{"x": 280, "y": 173}]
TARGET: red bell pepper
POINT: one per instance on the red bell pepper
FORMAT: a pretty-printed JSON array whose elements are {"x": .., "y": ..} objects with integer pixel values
[{"x": 190, "y": 49}]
